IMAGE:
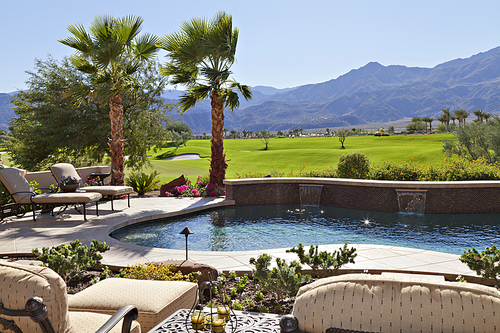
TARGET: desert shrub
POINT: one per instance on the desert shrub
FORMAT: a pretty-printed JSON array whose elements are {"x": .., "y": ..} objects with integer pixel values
[
  {"x": 155, "y": 271},
  {"x": 355, "y": 165},
  {"x": 283, "y": 280},
  {"x": 142, "y": 183},
  {"x": 485, "y": 264},
  {"x": 324, "y": 263},
  {"x": 69, "y": 261}
]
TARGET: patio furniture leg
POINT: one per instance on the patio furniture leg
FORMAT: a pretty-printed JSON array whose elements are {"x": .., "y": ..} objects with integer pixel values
[
  {"x": 84, "y": 213},
  {"x": 128, "y": 198},
  {"x": 112, "y": 207}
]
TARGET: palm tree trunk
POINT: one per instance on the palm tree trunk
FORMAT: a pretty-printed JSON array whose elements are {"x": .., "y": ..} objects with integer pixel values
[
  {"x": 218, "y": 164},
  {"x": 116, "y": 140}
]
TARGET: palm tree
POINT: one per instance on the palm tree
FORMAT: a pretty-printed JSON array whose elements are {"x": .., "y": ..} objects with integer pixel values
[
  {"x": 201, "y": 55},
  {"x": 461, "y": 115},
  {"x": 428, "y": 120},
  {"x": 111, "y": 52},
  {"x": 447, "y": 115}
]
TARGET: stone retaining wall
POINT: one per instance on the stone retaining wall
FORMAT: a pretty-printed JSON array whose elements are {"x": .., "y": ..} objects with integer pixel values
[{"x": 441, "y": 197}]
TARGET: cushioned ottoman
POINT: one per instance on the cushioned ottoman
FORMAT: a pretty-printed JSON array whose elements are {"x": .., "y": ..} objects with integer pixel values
[{"x": 155, "y": 300}]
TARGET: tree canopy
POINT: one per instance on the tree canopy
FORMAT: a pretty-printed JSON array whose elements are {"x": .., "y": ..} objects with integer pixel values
[
  {"x": 476, "y": 140},
  {"x": 51, "y": 128}
]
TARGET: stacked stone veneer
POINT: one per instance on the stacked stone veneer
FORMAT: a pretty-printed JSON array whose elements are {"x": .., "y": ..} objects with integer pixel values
[{"x": 442, "y": 197}]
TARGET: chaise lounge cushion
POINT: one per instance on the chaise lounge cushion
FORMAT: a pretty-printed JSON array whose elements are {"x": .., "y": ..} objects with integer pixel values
[
  {"x": 387, "y": 304},
  {"x": 18, "y": 283},
  {"x": 66, "y": 169},
  {"x": 155, "y": 300}
]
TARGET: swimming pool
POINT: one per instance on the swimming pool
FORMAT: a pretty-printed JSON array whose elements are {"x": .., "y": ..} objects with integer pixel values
[{"x": 284, "y": 226}]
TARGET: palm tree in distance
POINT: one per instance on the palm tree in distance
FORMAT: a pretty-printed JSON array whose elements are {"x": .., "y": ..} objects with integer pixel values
[
  {"x": 461, "y": 115},
  {"x": 111, "y": 52},
  {"x": 428, "y": 120},
  {"x": 201, "y": 55},
  {"x": 447, "y": 115}
]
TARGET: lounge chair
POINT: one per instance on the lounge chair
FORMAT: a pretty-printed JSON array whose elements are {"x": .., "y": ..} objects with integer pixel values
[
  {"x": 34, "y": 299},
  {"x": 61, "y": 170},
  {"x": 23, "y": 194}
]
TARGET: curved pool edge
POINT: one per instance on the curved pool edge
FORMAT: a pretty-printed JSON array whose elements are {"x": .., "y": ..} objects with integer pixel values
[
  {"x": 20, "y": 235},
  {"x": 371, "y": 258}
]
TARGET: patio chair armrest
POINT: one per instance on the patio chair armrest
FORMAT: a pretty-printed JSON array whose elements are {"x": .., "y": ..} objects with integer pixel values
[{"x": 128, "y": 313}]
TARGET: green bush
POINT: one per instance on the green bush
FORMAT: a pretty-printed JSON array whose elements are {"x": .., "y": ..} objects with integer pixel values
[
  {"x": 142, "y": 183},
  {"x": 485, "y": 264},
  {"x": 324, "y": 263},
  {"x": 355, "y": 165},
  {"x": 453, "y": 170},
  {"x": 390, "y": 170},
  {"x": 69, "y": 261},
  {"x": 154, "y": 271},
  {"x": 281, "y": 281}
]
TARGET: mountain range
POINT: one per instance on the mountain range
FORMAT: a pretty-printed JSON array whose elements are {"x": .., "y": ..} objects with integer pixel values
[{"x": 371, "y": 94}]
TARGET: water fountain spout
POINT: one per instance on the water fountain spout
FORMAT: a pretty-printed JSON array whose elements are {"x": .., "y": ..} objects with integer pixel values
[
  {"x": 411, "y": 201},
  {"x": 310, "y": 195}
]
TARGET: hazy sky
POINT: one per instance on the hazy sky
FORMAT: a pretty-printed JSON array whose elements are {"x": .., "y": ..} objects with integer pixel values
[{"x": 281, "y": 43}]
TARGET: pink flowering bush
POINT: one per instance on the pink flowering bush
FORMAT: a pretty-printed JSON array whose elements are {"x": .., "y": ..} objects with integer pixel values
[{"x": 201, "y": 188}]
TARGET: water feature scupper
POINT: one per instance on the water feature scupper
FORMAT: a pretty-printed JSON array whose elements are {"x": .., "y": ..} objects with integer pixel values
[
  {"x": 310, "y": 195},
  {"x": 411, "y": 201}
]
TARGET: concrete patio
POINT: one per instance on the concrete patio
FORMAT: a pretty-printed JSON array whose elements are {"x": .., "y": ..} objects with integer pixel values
[{"x": 20, "y": 235}]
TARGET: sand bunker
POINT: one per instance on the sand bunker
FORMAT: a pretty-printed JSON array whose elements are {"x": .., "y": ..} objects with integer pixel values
[{"x": 183, "y": 157}]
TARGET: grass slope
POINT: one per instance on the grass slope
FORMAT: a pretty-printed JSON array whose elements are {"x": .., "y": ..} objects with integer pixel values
[{"x": 288, "y": 154}]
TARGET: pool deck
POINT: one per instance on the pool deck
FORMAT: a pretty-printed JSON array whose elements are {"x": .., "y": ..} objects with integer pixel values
[{"x": 20, "y": 235}]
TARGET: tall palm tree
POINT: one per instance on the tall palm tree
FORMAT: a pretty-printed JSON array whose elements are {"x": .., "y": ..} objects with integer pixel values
[
  {"x": 447, "y": 115},
  {"x": 479, "y": 114},
  {"x": 201, "y": 55},
  {"x": 111, "y": 52}
]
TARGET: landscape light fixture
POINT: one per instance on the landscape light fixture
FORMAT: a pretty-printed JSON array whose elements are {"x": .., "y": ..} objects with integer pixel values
[{"x": 186, "y": 232}]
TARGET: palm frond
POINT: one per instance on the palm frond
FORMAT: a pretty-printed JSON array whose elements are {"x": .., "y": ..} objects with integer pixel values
[
  {"x": 145, "y": 46},
  {"x": 230, "y": 99},
  {"x": 82, "y": 64},
  {"x": 243, "y": 89},
  {"x": 127, "y": 28},
  {"x": 80, "y": 40}
]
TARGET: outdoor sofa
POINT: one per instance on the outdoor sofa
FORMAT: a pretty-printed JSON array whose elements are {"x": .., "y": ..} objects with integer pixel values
[
  {"x": 61, "y": 170},
  {"x": 34, "y": 299},
  {"x": 374, "y": 303},
  {"x": 23, "y": 194}
]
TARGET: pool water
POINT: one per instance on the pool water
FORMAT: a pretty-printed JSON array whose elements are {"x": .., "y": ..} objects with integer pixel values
[{"x": 284, "y": 226}]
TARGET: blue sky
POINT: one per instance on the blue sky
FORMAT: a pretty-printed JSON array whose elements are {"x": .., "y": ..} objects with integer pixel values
[{"x": 281, "y": 43}]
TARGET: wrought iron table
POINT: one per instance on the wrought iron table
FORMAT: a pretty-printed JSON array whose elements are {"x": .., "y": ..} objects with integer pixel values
[{"x": 246, "y": 322}]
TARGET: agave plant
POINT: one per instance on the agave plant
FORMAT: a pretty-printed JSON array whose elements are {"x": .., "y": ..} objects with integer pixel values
[{"x": 142, "y": 183}]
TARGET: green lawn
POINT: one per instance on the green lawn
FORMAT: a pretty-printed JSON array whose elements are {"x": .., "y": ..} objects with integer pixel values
[
  {"x": 292, "y": 153},
  {"x": 247, "y": 155}
]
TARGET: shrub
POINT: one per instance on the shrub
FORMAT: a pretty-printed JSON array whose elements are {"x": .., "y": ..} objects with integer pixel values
[
  {"x": 142, "y": 183},
  {"x": 353, "y": 165},
  {"x": 155, "y": 271},
  {"x": 485, "y": 264},
  {"x": 281, "y": 281},
  {"x": 324, "y": 263},
  {"x": 390, "y": 170},
  {"x": 69, "y": 261}
]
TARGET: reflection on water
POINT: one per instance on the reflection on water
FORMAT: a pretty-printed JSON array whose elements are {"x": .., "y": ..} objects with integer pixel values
[{"x": 265, "y": 227}]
